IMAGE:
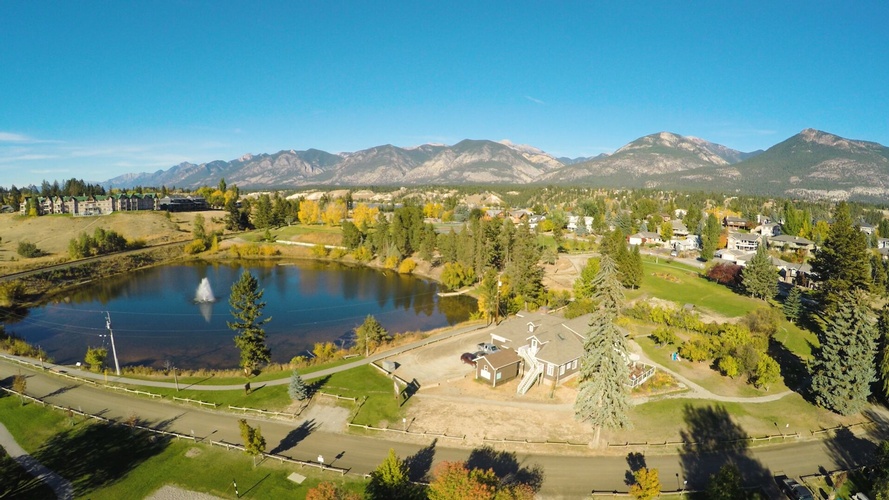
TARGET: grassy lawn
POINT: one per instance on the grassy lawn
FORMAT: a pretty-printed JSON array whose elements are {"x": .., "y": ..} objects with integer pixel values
[
  {"x": 682, "y": 284},
  {"x": 16, "y": 483},
  {"x": 662, "y": 420},
  {"x": 114, "y": 462},
  {"x": 797, "y": 340},
  {"x": 212, "y": 379},
  {"x": 702, "y": 374},
  {"x": 354, "y": 383},
  {"x": 380, "y": 407}
]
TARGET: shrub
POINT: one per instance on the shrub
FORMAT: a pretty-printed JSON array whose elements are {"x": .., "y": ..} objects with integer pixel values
[
  {"x": 455, "y": 275},
  {"x": 664, "y": 335},
  {"x": 196, "y": 246},
  {"x": 728, "y": 366},
  {"x": 338, "y": 253},
  {"x": 407, "y": 266},
  {"x": 391, "y": 262},
  {"x": 28, "y": 250},
  {"x": 319, "y": 251},
  {"x": 363, "y": 254}
]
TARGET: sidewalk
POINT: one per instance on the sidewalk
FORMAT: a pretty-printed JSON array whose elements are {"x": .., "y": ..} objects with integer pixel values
[{"x": 61, "y": 486}]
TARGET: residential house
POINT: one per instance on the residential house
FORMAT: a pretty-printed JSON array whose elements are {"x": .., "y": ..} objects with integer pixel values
[
  {"x": 645, "y": 238},
  {"x": 743, "y": 241},
  {"x": 679, "y": 229},
  {"x": 534, "y": 220},
  {"x": 768, "y": 229},
  {"x": 550, "y": 346},
  {"x": 882, "y": 242},
  {"x": 498, "y": 367},
  {"x": 735, "y": 223},
  {"x": 789, "y": 243},
  {"x": 576, "y": 221}
]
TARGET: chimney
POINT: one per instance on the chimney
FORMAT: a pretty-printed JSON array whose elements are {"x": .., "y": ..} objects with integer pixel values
[{"x": 530, "y": 327}]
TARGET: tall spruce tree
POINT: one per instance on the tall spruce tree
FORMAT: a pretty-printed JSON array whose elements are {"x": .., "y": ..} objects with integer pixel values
[
  {"x": 297, "y": 388},
  {"x": 793, "y": 304},
  {"x": 603, "y": 397},
  {"x": 842, "y": 263},
  {"x": 246, "y": 303},
  {"x": 710, "y": 237},
  {"x": 759, "y": 277},
  {"x": 845, "y": 366}
]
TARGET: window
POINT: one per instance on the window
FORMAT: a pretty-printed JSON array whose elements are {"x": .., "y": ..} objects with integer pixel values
[
  {"x": 561, "y": 370},
  {"x": 550, "y": 369},
  {"x": 574, "y": 365},
  {"x": 498, "y": 375}
]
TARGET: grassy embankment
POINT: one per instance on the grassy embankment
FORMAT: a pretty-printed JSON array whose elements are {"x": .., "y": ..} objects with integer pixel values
[{"x": 104, "y": 461}]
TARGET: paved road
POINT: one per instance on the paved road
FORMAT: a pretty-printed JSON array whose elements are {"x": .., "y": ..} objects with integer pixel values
[{"x": 563, "y": 476}]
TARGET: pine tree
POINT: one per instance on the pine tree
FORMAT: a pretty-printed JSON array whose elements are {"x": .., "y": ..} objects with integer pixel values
[
  {"x": 603, "y": 397},
  {"x": 246, "y": 303},
  {"x": 370, "y": 335},
  {"x": 389, "y": 480},
  {"x": 488, "y": 295},
  {"x": 583, "y": 285},
  {"x": 254, "y": 443},
  {"x": 710, "y": 237},
  {"x": 883, "y": 358},
  {"x": 297, "y": 389},
  {"x": 845, "y": 365},
  {"x": 759, "y": 277},
  {"x": 793, "y": 304},
  {"x": 841, "y": 264}
]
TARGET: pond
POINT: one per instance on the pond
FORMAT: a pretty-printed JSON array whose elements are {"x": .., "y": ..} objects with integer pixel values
[{"x": 156, "y": 317}]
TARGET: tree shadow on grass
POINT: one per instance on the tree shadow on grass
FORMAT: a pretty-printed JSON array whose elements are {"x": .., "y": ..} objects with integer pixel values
[
  {"x": 420, "y": 463},
  {"x": 315, "y": 386},
  {"x": 294, "y": 437},
  {"x": 18, "y": 484},
  {"x": 95, "y": 456},
  {"x": 793, "y": 370},
  {"x": 712, "y": 440},
  {"x": 506, "y": 467}
]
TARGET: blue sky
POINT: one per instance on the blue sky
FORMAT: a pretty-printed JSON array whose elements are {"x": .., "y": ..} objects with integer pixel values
[{"x": 96, "y": 89}]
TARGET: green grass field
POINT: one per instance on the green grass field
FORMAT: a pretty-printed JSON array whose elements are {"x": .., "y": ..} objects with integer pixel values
[
  {"x": 683, "y": 284},
  {"x": 114, "y": 462}
]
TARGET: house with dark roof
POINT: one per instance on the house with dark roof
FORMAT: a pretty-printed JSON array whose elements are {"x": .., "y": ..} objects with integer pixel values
[{"x": 498, "y": 367}]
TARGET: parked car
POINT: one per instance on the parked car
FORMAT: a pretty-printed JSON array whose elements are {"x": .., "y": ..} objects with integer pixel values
[
  {"x": 793, "y": 489},
  {"x": 487, "y": 347},
  {"x": 468, "y": 358}
]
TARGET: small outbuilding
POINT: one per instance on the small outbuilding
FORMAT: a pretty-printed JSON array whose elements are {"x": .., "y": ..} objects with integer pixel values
[{"x": 498, "y": 367}]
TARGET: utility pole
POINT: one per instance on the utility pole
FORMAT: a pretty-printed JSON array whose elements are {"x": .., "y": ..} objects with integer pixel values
[{"x": 113, "y": 350}]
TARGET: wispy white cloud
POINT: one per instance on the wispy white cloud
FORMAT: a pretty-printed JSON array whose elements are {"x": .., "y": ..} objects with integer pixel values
[
  {"x": 13, "y": 137},
  {"x": 534, "y": 100}
]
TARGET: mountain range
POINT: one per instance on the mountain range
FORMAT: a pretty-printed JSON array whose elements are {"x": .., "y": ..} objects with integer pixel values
[{"x": 811, "y": 164}]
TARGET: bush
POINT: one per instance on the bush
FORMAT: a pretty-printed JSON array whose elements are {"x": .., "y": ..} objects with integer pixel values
[
  {"x": 407, "y": 266},
  {"x": 319, "y": 251},
  {"x": 363, "y": 254},
  {"x": 728, "y": 366},
  {"x": 455, "y": 275},
  {"x": 338, "y": 253},
  {"x": 196, "y": 246},
  {"x": 664, "y": 335},
  {"x": 28, "y": 250},
  {"x": 391, "y": 262}
]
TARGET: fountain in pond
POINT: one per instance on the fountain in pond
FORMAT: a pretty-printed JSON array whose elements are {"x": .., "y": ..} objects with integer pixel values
[
  {"x": 204, "y": 293},
  {"x": 205, "y": 299}
]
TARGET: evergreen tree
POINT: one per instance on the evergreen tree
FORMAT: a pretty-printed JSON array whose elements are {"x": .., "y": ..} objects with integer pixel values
[
  {"x": 759, "y": 277},
  {"x": 254, "y": 443},
  {"x": 297, "y": 389},
  {"x": 246, "y": 303},
  {"x": 841, "y": 264},
  {"x": 583, "y": 285},
  {"x": 524, "y": 272},
  {"x": 370, "y": 335},
  {"x": 632, "y": 270},
  {"x": 726, "y": 484},
  {"x": 845, "y": 365},
  {"x": 603, "y": 397},
  {"x": 488, "y": 295},
  {"x": 710, "y": 237},
  {"x": 262, "y": 212},
  {"x": 883, "y": 358},
  {"x": 793, "y": 304},
  {"x": 878, "y": 274},
  {"x": 390, "y": 480}
]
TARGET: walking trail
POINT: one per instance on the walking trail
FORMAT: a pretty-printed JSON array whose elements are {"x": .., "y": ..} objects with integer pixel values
[{"x": 61, "y": 486}]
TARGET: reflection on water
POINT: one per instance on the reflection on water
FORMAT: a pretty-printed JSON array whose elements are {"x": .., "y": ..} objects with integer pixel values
[{"x": 156, "y": 318}]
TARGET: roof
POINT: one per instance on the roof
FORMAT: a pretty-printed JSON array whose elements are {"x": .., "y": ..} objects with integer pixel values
[
  {"x": 786, "y": 238},
  {"x": 561, "y": 340},
  {"x": 501, "y": 358},
  {"x": 745, "y": 236}
]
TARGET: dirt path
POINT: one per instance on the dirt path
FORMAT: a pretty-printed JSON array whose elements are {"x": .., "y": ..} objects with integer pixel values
[{"x": 61, "y": 486}]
